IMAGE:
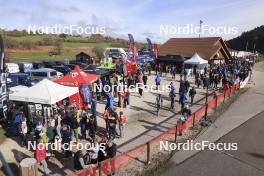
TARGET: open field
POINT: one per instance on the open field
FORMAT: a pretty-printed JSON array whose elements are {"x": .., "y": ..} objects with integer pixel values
[{"x": 70, "y": 47}]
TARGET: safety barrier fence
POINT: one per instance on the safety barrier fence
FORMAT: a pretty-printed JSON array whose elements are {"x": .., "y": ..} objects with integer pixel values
[{"x": 113, "y": 165}]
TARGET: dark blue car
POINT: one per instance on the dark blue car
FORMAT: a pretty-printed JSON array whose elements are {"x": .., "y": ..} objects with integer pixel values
[{"x": 21, "y": 79}]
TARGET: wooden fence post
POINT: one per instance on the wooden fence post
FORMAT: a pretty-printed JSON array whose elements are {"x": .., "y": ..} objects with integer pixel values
[
  {"x": 216, "y": 101},
  {"x": 194, "y": 114},
  {"x": 224, "y": 96},
  {"x": 176, "y": 131},
  {"x": 99, "y": 169},
  {"x": 148, "y": 152}
]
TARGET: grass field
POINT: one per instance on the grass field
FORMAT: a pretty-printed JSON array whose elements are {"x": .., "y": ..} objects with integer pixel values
[
  {"x": 31, "y": 57},
  {"x": 70, "y": 47}
]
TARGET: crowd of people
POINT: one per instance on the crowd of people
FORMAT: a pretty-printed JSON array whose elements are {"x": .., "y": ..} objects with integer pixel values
[{"x": 68, "y": 124}]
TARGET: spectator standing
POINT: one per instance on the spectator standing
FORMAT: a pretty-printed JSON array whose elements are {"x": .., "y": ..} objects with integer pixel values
[
  {"x": 23, "y": 131},
  {"x": 41, "y": 157},
  {"x": 91, "y": 127},
  {"x": 157, "y": 81},
  {"x": 159, "y": 102},
  {"x": 192, "y": 93},
  {"x": 122, "y": 122}
]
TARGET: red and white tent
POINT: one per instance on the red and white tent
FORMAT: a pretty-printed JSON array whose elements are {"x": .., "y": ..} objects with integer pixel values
[{"x": 77, "y": 78}]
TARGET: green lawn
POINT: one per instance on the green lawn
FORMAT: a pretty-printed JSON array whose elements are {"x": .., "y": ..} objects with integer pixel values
[
  {"x": 31, "y": 57},
  {"x": 70, "y": 47},
  {"x": 82, "y": 44},
  {"x": 33, "y": 38}
]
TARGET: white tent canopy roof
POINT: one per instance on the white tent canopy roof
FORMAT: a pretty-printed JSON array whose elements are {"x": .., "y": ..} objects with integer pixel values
[
  {"x": 196, "y": 60},
  {"x": 44, "y": 92}
]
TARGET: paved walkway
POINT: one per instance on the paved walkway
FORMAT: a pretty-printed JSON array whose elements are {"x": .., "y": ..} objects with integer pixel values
[
  {"x": 143, "y": 124},
  {"x": 248, "y": 136}
]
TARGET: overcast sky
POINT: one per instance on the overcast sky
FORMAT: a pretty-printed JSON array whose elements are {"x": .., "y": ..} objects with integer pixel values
[{"x": 142, "y": 18}]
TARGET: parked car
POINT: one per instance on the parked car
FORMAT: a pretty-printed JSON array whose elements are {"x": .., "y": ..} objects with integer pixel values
[
  {"x": 25, "y": 67},
  {"x": 71, "y": 66},
  {"x": 37, "y": 65},
  {"x": 43, "y": 73},
  {"x": 59, "y": 63},
  {"x": 59, "y": 74},
  {"x": 12, "y": 68},
  {"x": 63, "y": 69},
  {"x": 16, "y": 79},
  {"x": 81, "y": 65},
  {"x": 49, "y": 64}
]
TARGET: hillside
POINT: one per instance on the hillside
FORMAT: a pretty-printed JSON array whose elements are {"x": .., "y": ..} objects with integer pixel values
[
  {"x": 68, "y": 45},
  {"x": 253, "y": 40}
]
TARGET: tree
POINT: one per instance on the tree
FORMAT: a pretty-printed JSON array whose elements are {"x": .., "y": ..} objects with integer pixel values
[
  {"x": 98, "y": 51},
  {"x": 58, "y": 46}
]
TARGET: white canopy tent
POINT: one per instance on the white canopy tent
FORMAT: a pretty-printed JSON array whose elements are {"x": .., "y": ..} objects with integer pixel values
[
  {"x": 197, "y": 61},
  {"x": 44, "y": 92}
]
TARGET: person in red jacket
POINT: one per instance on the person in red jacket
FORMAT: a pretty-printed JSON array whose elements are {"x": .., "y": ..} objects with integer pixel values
[
  {"x": 41, "y": 156},
  {"x": 122, "y": 121},
  {"x": 106, "y": 118}
]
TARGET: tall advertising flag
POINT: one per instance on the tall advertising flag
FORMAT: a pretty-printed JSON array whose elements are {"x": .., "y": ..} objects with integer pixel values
[
  {"x": 131, "y": 46},
  {"x": 150, "y": 47},
  {"x": 155, "y": 46}
]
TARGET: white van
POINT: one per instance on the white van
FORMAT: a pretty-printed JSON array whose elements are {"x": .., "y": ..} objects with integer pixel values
[
  {"x": 43, "y": 73},
  {"x": 12, "y": 68}
]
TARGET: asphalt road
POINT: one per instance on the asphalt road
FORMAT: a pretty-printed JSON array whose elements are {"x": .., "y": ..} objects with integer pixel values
[
  {"x": 248, "y": 160},
  {"x": 243, "y": 124}
]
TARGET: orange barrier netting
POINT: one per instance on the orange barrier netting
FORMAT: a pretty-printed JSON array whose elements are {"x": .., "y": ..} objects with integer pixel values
[
  {"x": 199, "y": 114},
  {"x": 113, "y": 165},
  {"x": 212, "y": 104},
  {"x": 163, "y": 136}
]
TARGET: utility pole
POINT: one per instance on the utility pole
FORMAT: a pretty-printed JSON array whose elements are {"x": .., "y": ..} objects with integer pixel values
[
  {"x": 206, "y": 98},
  {"x": 247, "y": 46},
  {"x": 201, "y": 22}
]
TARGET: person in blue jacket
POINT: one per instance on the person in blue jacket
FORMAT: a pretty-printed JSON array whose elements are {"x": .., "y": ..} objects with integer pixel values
[
  {"x": 157, "y": 81},
  {"x": 93, "y": 109}
]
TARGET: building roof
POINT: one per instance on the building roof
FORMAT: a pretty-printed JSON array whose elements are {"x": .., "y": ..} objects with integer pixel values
[
  {"x": 82, "y": 53},
  {"x": 207, "y": 47}
]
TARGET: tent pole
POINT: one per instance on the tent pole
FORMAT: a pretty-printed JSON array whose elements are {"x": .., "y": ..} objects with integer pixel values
[{"x": 79, "y": 105}]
